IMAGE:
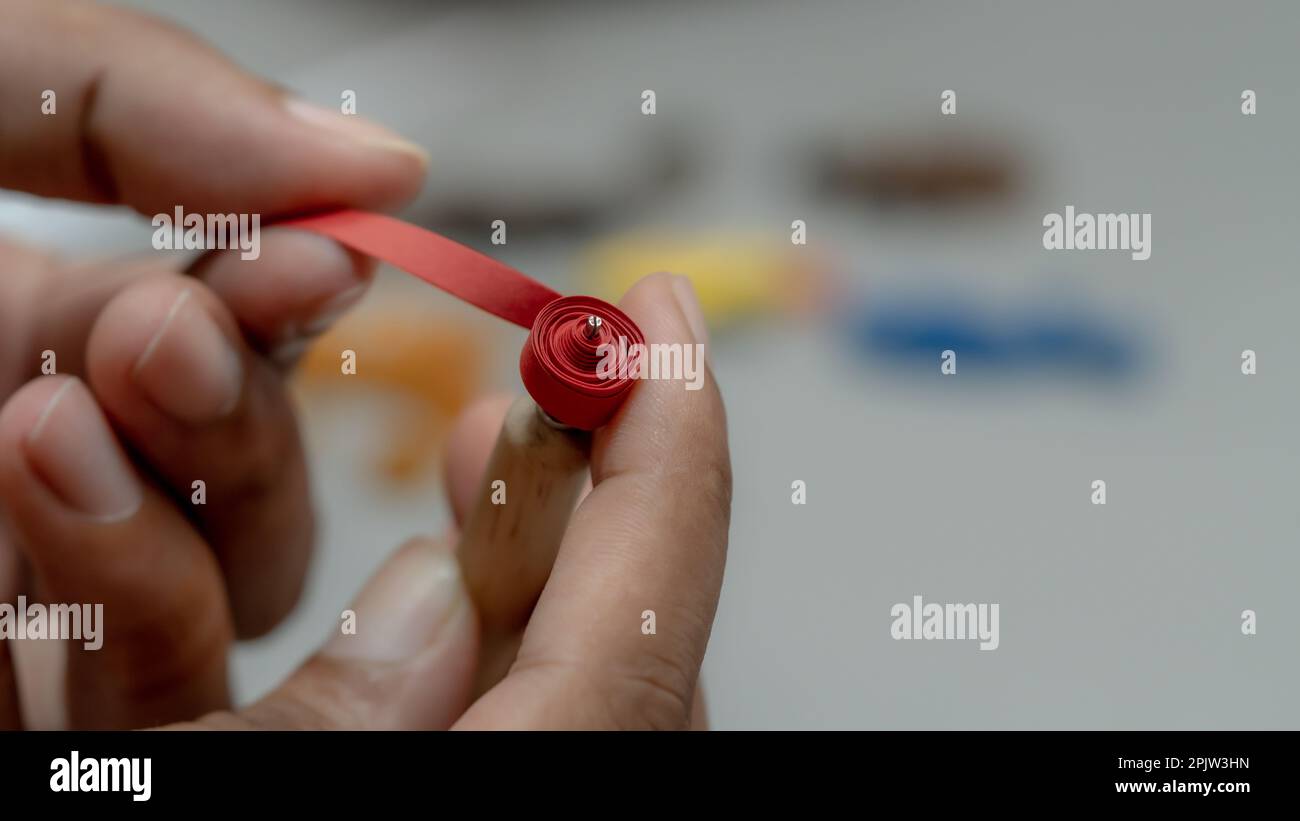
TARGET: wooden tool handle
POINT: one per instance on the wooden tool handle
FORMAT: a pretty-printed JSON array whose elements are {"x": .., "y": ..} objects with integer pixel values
[{"x": 509, "y": 543}]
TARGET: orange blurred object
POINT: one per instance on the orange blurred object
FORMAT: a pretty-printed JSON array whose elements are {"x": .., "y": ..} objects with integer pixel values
[{"x": 435, "y": 365}]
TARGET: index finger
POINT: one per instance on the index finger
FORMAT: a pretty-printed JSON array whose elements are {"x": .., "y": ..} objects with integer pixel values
[
  {"x": 107, "y": 105},
  {"x": 651, "y": 536}
]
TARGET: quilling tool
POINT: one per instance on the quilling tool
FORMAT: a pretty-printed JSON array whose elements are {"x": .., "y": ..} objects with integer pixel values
[{"x": 509, "y": 542}]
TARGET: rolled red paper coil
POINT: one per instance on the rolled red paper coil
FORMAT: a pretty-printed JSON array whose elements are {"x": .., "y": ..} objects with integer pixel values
[{"x": 580, "y": 378}]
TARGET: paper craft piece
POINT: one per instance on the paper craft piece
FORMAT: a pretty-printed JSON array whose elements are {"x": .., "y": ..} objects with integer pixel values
[{"x": 563, "y": 366}]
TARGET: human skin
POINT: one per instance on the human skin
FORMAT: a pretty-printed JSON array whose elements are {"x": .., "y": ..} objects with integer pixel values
[{"x": 165, "y": 376}]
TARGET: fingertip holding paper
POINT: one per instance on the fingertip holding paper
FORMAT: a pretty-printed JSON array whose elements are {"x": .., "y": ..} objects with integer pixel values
[{"x": 561, "y": 363}]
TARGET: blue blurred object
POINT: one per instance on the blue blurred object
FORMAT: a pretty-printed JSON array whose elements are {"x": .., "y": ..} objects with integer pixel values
[
  {"x": 908, "y": 329},
  {"x": 1075, "y": 341}
]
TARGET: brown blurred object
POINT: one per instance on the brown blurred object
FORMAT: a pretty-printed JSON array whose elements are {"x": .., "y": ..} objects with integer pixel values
[
  {"x": 434, "y": 363},
  {"x": 922, "y": 170}
]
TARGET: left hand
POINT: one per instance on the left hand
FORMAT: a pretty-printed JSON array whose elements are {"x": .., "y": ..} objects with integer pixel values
[{"x": 164, "y": 377}]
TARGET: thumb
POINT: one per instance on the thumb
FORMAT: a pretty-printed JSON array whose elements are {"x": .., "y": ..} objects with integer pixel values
[{"x": 409, "y": 665}]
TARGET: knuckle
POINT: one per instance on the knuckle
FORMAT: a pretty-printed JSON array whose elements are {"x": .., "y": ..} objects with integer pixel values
[
  {"x": 715, "y": 480},
  {"x": 653, "y": 694}
]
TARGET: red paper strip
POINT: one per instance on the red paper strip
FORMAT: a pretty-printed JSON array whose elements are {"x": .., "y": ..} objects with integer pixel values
[
  {"x": 462, "y": 272},
  {"x": 561, "y": 361}
]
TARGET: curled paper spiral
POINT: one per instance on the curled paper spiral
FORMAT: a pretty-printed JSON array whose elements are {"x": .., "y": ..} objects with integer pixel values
[
  {"x": 575, "y": 370},
  {"x": 575, "y": 362}
]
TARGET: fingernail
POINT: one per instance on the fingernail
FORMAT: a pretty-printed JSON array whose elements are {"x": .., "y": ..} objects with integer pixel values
[
  {"x": 287, "y": 353},
  {"x": 690, "y": 305},
  {"x": 189, "y": 368},
  {"x": 72, "y": 448},
  {"x": 297, "y": 338},
  {"x": 352, "y": 127},
  {"x": 329, "y": 311},
  {"x": 405, "y": 608}
]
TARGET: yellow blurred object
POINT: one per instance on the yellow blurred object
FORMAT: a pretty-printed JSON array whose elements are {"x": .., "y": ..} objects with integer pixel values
[
  {"x": 434, "y": 364},
  {"x": 736, "y": 276}
]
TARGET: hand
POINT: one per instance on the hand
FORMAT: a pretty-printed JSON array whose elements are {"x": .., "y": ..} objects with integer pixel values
[
  {"x": 165, "y": 378},
  {"x": 652, "y": 534},
  {"x": 88, "y": 472}
]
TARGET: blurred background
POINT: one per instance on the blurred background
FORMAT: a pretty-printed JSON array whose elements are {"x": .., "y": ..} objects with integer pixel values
[{"x": 924, "y": 233}]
